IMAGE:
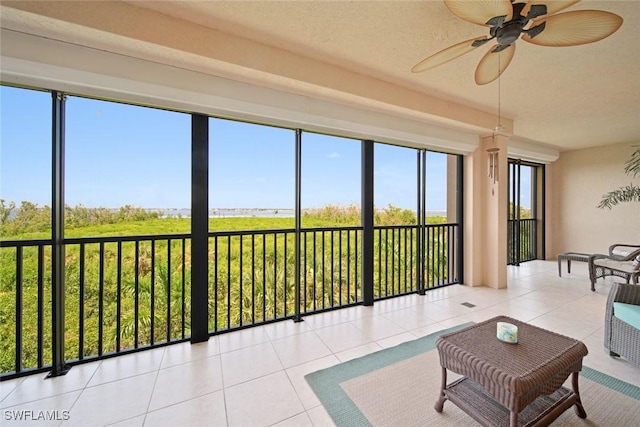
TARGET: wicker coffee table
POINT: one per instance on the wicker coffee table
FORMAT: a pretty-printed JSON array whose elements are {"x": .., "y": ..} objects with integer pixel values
[{"x": 516, "y": 384}]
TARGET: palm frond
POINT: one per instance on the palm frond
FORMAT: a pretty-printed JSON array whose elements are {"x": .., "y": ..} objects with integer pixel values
[
  {"x": 632, "y": 167},
  {"x": 629, "y": 193}
]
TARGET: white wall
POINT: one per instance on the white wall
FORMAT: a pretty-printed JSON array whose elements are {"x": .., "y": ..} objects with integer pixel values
[{"x": 576, "y": 184}]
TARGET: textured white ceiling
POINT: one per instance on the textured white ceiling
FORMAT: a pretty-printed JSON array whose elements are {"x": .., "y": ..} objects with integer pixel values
[{"x": 568, "y": 98}]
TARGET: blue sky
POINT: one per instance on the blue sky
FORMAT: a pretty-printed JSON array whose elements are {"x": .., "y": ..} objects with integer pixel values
[{"x": 119, "y": 154}]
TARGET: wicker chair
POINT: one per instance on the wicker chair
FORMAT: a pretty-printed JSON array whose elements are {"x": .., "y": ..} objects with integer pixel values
[
  {"x": 620, "y": 338},
  {"x": 623, "y": 261}
]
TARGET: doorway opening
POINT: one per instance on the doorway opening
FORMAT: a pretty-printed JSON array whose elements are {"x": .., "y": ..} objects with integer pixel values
[{"x": 525, "y": 220}]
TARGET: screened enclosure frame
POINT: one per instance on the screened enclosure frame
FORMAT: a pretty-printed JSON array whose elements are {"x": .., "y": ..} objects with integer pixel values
[{"x": 409, "y": 266}]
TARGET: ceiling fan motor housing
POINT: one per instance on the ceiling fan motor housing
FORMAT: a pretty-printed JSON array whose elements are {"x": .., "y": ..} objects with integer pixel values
[{"x": 508, "y": 32}]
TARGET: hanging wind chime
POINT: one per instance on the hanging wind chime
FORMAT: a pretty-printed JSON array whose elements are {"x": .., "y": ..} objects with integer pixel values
[
  {"x": 494, "y": 168},
  {"x": 493, "y": 152}
]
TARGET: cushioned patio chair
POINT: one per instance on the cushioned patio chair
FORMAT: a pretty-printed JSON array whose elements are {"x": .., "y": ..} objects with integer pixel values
[
  {"x": 622, "y": 322},
  {"x": 623, "y": 261}
]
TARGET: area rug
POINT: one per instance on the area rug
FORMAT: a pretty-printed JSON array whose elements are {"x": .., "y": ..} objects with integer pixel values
[{"x": 398, "y": 386}]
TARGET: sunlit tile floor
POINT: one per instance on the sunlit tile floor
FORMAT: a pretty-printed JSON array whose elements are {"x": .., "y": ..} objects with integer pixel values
[{"x": 255, "y": 377}]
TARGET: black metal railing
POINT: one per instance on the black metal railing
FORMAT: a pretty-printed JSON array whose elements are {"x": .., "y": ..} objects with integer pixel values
[
  {"x": 521, "y": 241},
  {"x": 128, "y": 293},
  {"x": 397, "y": 264},
  {"x": 121, "y": 293}
]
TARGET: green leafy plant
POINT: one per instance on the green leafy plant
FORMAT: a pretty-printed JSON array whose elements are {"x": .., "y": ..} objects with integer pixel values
[
  {"x": 627, "y": 193},
  {"x": 251, "y": 279}
]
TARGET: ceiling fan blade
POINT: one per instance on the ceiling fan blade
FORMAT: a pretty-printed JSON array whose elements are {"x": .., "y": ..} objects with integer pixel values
[
  {"x": 493, "y": 64},
  {"x": 574, "y": 28},
  {"x": 448, "y": 54},
  {"x": 480, "y": 11},
  {"x": 552, "y": 6}
]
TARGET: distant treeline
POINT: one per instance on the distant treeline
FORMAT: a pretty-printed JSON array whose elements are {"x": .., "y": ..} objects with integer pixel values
[
  {"x": 350, "y": 215},
  {"x": 30, "y": 218}
]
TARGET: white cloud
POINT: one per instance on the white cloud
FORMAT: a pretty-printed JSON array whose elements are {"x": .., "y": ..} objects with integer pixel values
[{"x": 334, "y": 155}]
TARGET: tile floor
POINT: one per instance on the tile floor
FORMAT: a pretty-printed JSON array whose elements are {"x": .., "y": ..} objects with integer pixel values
[{"x": 255, "y": 377}]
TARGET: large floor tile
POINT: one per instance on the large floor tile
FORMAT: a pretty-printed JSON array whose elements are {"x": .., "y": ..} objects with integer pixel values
[
  {"x": 429, "y": 329},
  {"x": 437, "y": 294},
  {"x": 356, "y": 352},
  {"x": 112, "y": 402},
  {"x": 37, "y": 386},
  {"x": 186, "y": 381},
  {"x": 409, "y": 318},
  {"x": 456, "y": 306},
  {"x": 130, "y": 422},
  {"x": 44, "y": 412},
  {"x": 574, "y": 328},
  {"x": 392, "y": 304},
  {"x": 236, "y": 340},
  {"x": 554, "y": 297},
  {"x": 285, "y": 329},
  {"x": 301, "y": 348},
  {"x": 296, "y": 376},
  {"x": 249, "y": 363},
  {"x": 356, "y": 312},
  {"x": 207, "y": 410},
  {"x": 186, "y": 352},
  {"x": 262, "y": 402},
  {"x": 342, "y": 337},
  {"x": 538, "y": 304},
  {"x": 323, "y": 320},
  {"x": 503, "y": 309},
  {"x": 120, "y": 367},
  {"x": 320, "y": 418},
  {"x": 300, "y": 420},
  {"x": 394, "y": 340},
  {"x": 377, "y": 327},
  {"x": 7, "y": 387},
  {"x": 437, "y": 313}
]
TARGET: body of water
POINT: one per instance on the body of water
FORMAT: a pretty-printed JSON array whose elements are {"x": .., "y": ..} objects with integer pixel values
[{"x": 250, "y": 212}]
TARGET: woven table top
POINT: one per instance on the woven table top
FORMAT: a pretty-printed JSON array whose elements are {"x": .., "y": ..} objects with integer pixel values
[{"x": 514, "y": 373}]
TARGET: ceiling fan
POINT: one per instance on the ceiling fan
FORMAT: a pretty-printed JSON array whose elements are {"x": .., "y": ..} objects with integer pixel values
[{"x": 536, "y": 20}]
